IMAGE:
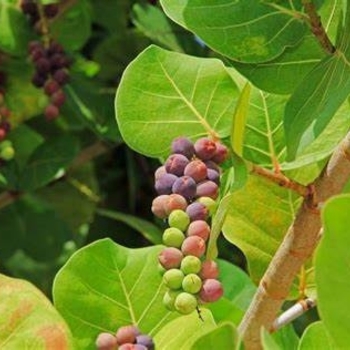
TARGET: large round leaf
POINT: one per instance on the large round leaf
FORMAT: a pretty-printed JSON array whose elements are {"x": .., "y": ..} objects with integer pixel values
[
  {"x": 104, "y": 286},
  {"x": 167, "y": 94},
  {"x": 28, "y": 320}
]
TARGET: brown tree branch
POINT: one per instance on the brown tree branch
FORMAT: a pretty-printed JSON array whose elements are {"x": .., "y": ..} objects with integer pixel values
[{"x": 298, "y": 245}]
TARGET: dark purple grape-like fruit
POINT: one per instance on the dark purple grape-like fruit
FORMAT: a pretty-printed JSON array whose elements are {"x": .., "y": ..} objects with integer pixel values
[
  {"x": 51, "y": 10},
  {"x": 164, "y": 183},
  {"x": 175, "y": 201},
  {"x": 211, "y": 290},
  {"x": 184, "y": 146},
  {"x": 51, "y": 112},
  {"x": 58, "y": 61},
  {"x": 34, "y": 45},
  {"x": 127, "y": 334},
  {"x": 42, "y": 65},
  {"x": 145, "y": 340},
  {"x": 221, "y": 153},
  {"x": 199, "y": 228},
  {"x": 175, "y": 164},
  {"x": 207, "y": 189},
  {"x": 213, "y": 175},
  {"x": 170, "y": 258},
  {"x": 193, "y": 245},
  {"x": 29, "y": 7},
  {"x": 55, "y": 47},
  {"x": 106, "y": 341},
  {"x": 185, "y": 186},
  {"x": 159, "y": 172},
  {"x": 205, "y": 148},
  {"x": 50, "y": 87},
  {"x": 38, "y": 80},
  {"x": 58, "y": 98},
  {"x": 197, "y": 170},
  {"x": 209, "y": 270},
  {"x": 212, "y": 165},
  {"x": 61, "y": 76},
  {"x": 130, "y": 346},
  {"x": 197, "y": 211}
]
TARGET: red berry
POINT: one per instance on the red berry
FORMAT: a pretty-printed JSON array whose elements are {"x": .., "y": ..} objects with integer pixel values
[{"x": 51, "y": 112}]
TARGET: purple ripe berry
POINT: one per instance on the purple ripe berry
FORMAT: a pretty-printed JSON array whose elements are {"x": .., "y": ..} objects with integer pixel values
[
  {"x": 212, "y": 165},
  {"x": 159, "y": 206},
  {"x": 159, "y": 172},
  {"x": 211, "y": 290},
  {"x": 193, "y": 245},
  {"x": 199, "y": 228},
  {"x": 106, "y": 341},
  {"x": 38, "y": 80},
  {"x": 51, "y": 87},
  {"x": 127, "y": 334},
  {"x": 176, "y": 164},
  {"x": 130, "y": 346},
  {"x": 170, "y": 258},
  {"x": 221, "y": 153},
  {"x": 197, "y": 211},
  {"x": 51, "y": 10},
  {"x": 175, "y": 202},
  {"x": 213, "y": 175},
  {"x": 42, "y": 65},
  {"x": 61, "y": 76},
  {"x": 197, "y": 170},
  {"x": 205, "y": 148},
  {"x": 51, "y": 112},
  {"x": 207, "y": 189},
  {"x": 145, "y": 340},
  {"x": 184, "y": 146},
  {"x": 209, "y": 270},
  {"x": 58, "y": 98},
  {"x": 185, "y": 186},
  {"x": 165, "y": 183}
]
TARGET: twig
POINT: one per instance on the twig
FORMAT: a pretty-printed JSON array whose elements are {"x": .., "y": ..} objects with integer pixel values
[
  {"x": 317, "y": 27},
  {"x": 283, "y": 181},
  {"x": 292, "y": 313},
  {"x": 297, "y": 247},
  {"x": 44, "y": 26}
]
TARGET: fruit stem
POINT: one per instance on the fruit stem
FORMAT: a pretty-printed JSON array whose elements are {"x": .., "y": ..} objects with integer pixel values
[{"x": 44, "y": 26}]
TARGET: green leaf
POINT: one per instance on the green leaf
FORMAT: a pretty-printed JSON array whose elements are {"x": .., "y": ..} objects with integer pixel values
[
  {"x": 124, "y": 288},
  {"x": 223, "y": 337},
  {"x": 318, "y": 96},
  {"x": 282, "y": 74},
  {"x": 286, "y": 338},
  {"x": 73, "y": 27},
  {"x": 181, "y": 333},
  {"x": 28, "y": 320},
  {"x": 246, "y": 31},
  {"x": 146, "y": 228},
  {"x": 257, "y": 220},
  {"x": 15, "y": 31},
  {"x": 315, "y": 337},
  {"x": 332, "y": 270},
  {"x": 268, "y": 342},
  {"x": 170, "y": 94},
  {"x": 47, "y": 160}
]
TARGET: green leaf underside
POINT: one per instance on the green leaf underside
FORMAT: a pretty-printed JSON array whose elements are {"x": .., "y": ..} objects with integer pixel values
[
  {"x": 169, "y": 94},
  {"x": 318, "y": 96},
  {"x": 332, "y": 271},
  {"x": 223, "y": 337},
  {"x": 28, "y": 320},
  {"x": 257, "y": 220},
  {"x": 315, "y": 337},
  {"x": 124, "y": 288},
  {"x": 181, "y": 333},
  {"x": 245, "y": 31}
]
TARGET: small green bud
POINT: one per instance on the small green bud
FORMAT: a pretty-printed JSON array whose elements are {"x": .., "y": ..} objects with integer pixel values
[
  {"x": 179, "y": 219},
  {"x": 190, "y": 264},
  {"x": 192, "y": 283},
  {"x": 173, "y": 237},
  {"x": 7, "y": 153},
  {"x": 185, "y": 303},
  {"x": 173, "y": 278}
]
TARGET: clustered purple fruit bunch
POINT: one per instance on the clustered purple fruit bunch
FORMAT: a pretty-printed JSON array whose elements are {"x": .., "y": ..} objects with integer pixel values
[
  {"x": 126, "y": 338},
  {"x": 5, "y": 113},
  {"x": 188, "y": 185}
]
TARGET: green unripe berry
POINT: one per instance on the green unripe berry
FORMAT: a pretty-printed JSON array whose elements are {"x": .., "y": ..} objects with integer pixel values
[
  {"x": 169, "y": 299},
  {"x": 7, "y": 153},
  {"x": 173, "y": 237},
  {"x": 5, "y": 144},
  {"x": 192, "y": 283},
  {"x": 185, "y": 303},
  {"x": 173, "y": 278},
  {"x": 190, "y": 264},
  {"x": 210, "y": 203},
  {"x": 179, "y": 219}
]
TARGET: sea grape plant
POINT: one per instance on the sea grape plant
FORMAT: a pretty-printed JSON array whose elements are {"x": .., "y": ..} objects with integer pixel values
[{"x": 244, "y": 108}]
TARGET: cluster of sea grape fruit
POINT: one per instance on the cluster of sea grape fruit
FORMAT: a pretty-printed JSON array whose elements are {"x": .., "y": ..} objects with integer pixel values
[
  {"x": 31, "y": 10},
  {"x": 187, "y": 186},
  {"x": 126, "y": 338},
  {"x": 51, "y": 73},
  {"x": 5, "y": 113}
]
